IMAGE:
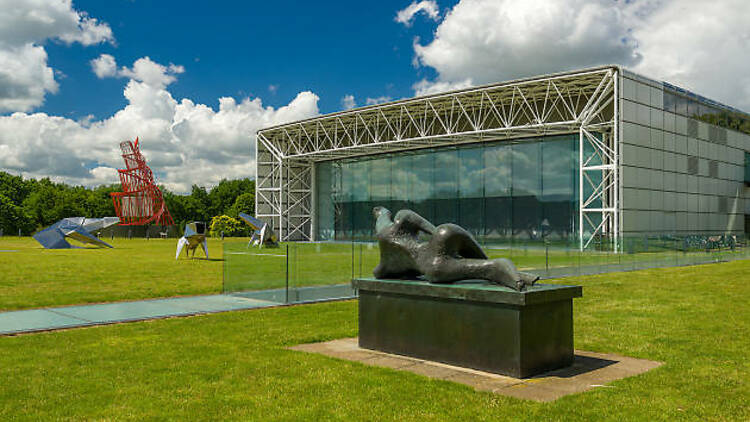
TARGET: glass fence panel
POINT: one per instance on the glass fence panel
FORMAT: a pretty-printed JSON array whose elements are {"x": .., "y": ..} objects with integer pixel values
[
  {"x": 313, "y": 271},
  {"x": 249, "y": 269},
  {"x": 320, "y": 271}
]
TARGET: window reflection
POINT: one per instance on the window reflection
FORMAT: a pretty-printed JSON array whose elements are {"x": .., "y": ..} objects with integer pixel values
[
  {"x": 498, "y": 191},
  {"x": 708, "y": 113}
]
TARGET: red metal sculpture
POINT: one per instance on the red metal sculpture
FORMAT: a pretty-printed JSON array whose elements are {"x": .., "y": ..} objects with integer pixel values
[{"x": 141, "y": 201}]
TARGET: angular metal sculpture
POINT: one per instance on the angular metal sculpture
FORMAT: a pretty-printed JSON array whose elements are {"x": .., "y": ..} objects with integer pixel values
[
  {"x": 195, "y": 234},
  {"x": 141, "y": 201},
  {"x": 451, "y": 254},
  {"x": 77, "y": 228},
  {"x": 263, "y": 234}
]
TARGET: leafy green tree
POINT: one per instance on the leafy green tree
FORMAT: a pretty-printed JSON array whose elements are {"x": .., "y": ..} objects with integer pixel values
[
  {"x": 99, "y": 202},
  {"x": 13, "y": 218},
  {"x": 176, "y": 206},
  {"x": 49, "y": 203},
  {"x": 244, "y": 203},
  {"x": 223, "y": 196},
  {"x": 196, "y": 210},
  {"x": 198, "y": 205},
  {"x": 225, "y": 224},
  {"x": 14, "y": 188}
]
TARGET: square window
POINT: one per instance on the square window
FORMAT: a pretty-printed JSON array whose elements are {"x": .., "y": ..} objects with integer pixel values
[
  {"x": 643, "y": 93},
  {"x": 630, "y": 133},
  {"x": 723, "y": 204},
  {"x": 669, "y": 121},
  {"x": 669, "y": 141},
  {"x": 643, "y": 115},
  {"x": 680, "y": 125},
  {"x": 629, "y": 176},
  {"x": 657, "y": 118},
  {"x": 657, "y": 138},
  {"x": 629, "y": 111},
  {"x": 692, "y": 146},
  {"x": 713, "y": 168},
  {"x": 657, "y": 159},
  {"x": 657, "y": 98},
  {"x": 680, "y": 145},
  {"x": 670, "y": 181},
  {"x": 692, "y": 164},
  {"x": 628, "y": 89}
]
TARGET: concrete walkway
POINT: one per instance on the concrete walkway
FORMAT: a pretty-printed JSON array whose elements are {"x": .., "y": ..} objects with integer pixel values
[{"x": 16, "y": 322}]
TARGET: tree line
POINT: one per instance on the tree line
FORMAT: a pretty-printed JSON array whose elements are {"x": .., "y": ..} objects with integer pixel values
[{"x": 27, "y": 205}]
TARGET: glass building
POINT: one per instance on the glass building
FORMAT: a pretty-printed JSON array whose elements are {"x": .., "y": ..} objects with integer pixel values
[
  {"x": 499, "y": 190},
  {"x": 588, "y": 157}
]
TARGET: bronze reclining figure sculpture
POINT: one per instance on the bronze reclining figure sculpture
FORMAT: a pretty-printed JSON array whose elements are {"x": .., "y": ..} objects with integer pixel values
[{"x": 451, "y": 254}]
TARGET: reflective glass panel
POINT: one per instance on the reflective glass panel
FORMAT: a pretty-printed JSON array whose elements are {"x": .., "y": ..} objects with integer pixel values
[{"x": 498, "y": 191}]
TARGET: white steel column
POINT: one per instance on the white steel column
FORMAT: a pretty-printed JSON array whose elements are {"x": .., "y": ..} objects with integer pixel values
[
  {"x": 268, "y": 183},
  {"x": 580, "y": 188},
  {"x": 313, "y": 203},
  {"x": 598, "y": 212},
  {"x": 616, "y": 144}
]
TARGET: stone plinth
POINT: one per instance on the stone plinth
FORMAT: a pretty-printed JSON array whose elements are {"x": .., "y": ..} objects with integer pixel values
[{"x": 472, "y": 324}]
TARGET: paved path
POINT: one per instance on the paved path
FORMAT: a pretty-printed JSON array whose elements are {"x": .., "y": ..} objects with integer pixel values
[{"x": 85, "y": 315}]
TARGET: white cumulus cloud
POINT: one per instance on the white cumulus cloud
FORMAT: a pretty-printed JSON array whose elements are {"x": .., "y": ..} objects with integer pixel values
[
  {"x": 144, "y": 70},
  {"x": 377, "y": 100},
  {"x": 686, "y": 42},
  {"x": 151, "y": 73},
  {"x": 25, "y": 77},
  {"x": 104, "y": 66},
  {"x": 184, "y": 142},
  {"x": 348, "y": 102},
  {"x": 705, "y": 48},
  {"x": 490, "y": 40},
  {"x": 427, "y": 87},
  {"x": 428, "y": 7}
]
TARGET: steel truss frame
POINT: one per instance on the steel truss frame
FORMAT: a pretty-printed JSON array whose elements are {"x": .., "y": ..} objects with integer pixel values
[{"x": 581, "y": 102}]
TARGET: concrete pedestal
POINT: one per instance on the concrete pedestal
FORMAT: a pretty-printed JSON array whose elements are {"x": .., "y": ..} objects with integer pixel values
[{"x": 472, "y": 324}]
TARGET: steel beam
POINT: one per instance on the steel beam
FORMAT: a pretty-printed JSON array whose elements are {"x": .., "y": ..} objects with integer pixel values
[{"x": 582, "y": 102}]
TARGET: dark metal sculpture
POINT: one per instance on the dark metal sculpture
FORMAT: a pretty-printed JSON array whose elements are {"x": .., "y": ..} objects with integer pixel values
[{"x": 451, "y": 254}]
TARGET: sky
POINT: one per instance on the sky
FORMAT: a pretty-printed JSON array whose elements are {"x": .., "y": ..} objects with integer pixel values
[{"x": 196, "y": 80}]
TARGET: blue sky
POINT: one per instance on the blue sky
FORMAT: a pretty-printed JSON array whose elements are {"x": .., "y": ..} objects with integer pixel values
[
  {"x": 197, "y": 80},
  {"x": 240, "y": 48}
]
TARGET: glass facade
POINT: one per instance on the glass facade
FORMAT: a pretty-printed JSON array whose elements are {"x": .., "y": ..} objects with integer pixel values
[
  {"x": 682, "y": 164},
  {"x": 498, "y": 191},
  {"x": 687, "y": 104}
]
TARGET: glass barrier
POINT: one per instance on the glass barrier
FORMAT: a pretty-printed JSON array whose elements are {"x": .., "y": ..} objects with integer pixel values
[
  {"x": 254, "y": 272},
  {"x": 320, "y": 271},
  {"x": 299, "y": 272}
]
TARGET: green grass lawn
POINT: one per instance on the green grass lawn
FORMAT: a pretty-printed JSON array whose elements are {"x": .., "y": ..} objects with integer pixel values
[
  {"x": 236, "y": 366},
  {"x": 135, "y": 269}
]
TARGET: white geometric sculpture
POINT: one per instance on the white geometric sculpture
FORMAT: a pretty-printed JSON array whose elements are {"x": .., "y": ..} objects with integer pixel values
[
  {"x": 195, "y": 234},
  {"x": 263, "y": 234},
  {"x": 76, "y": 228}
]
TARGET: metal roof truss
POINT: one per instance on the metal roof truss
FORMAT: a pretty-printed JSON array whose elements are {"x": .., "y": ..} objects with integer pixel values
[{"x": 579, "y": 102}]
